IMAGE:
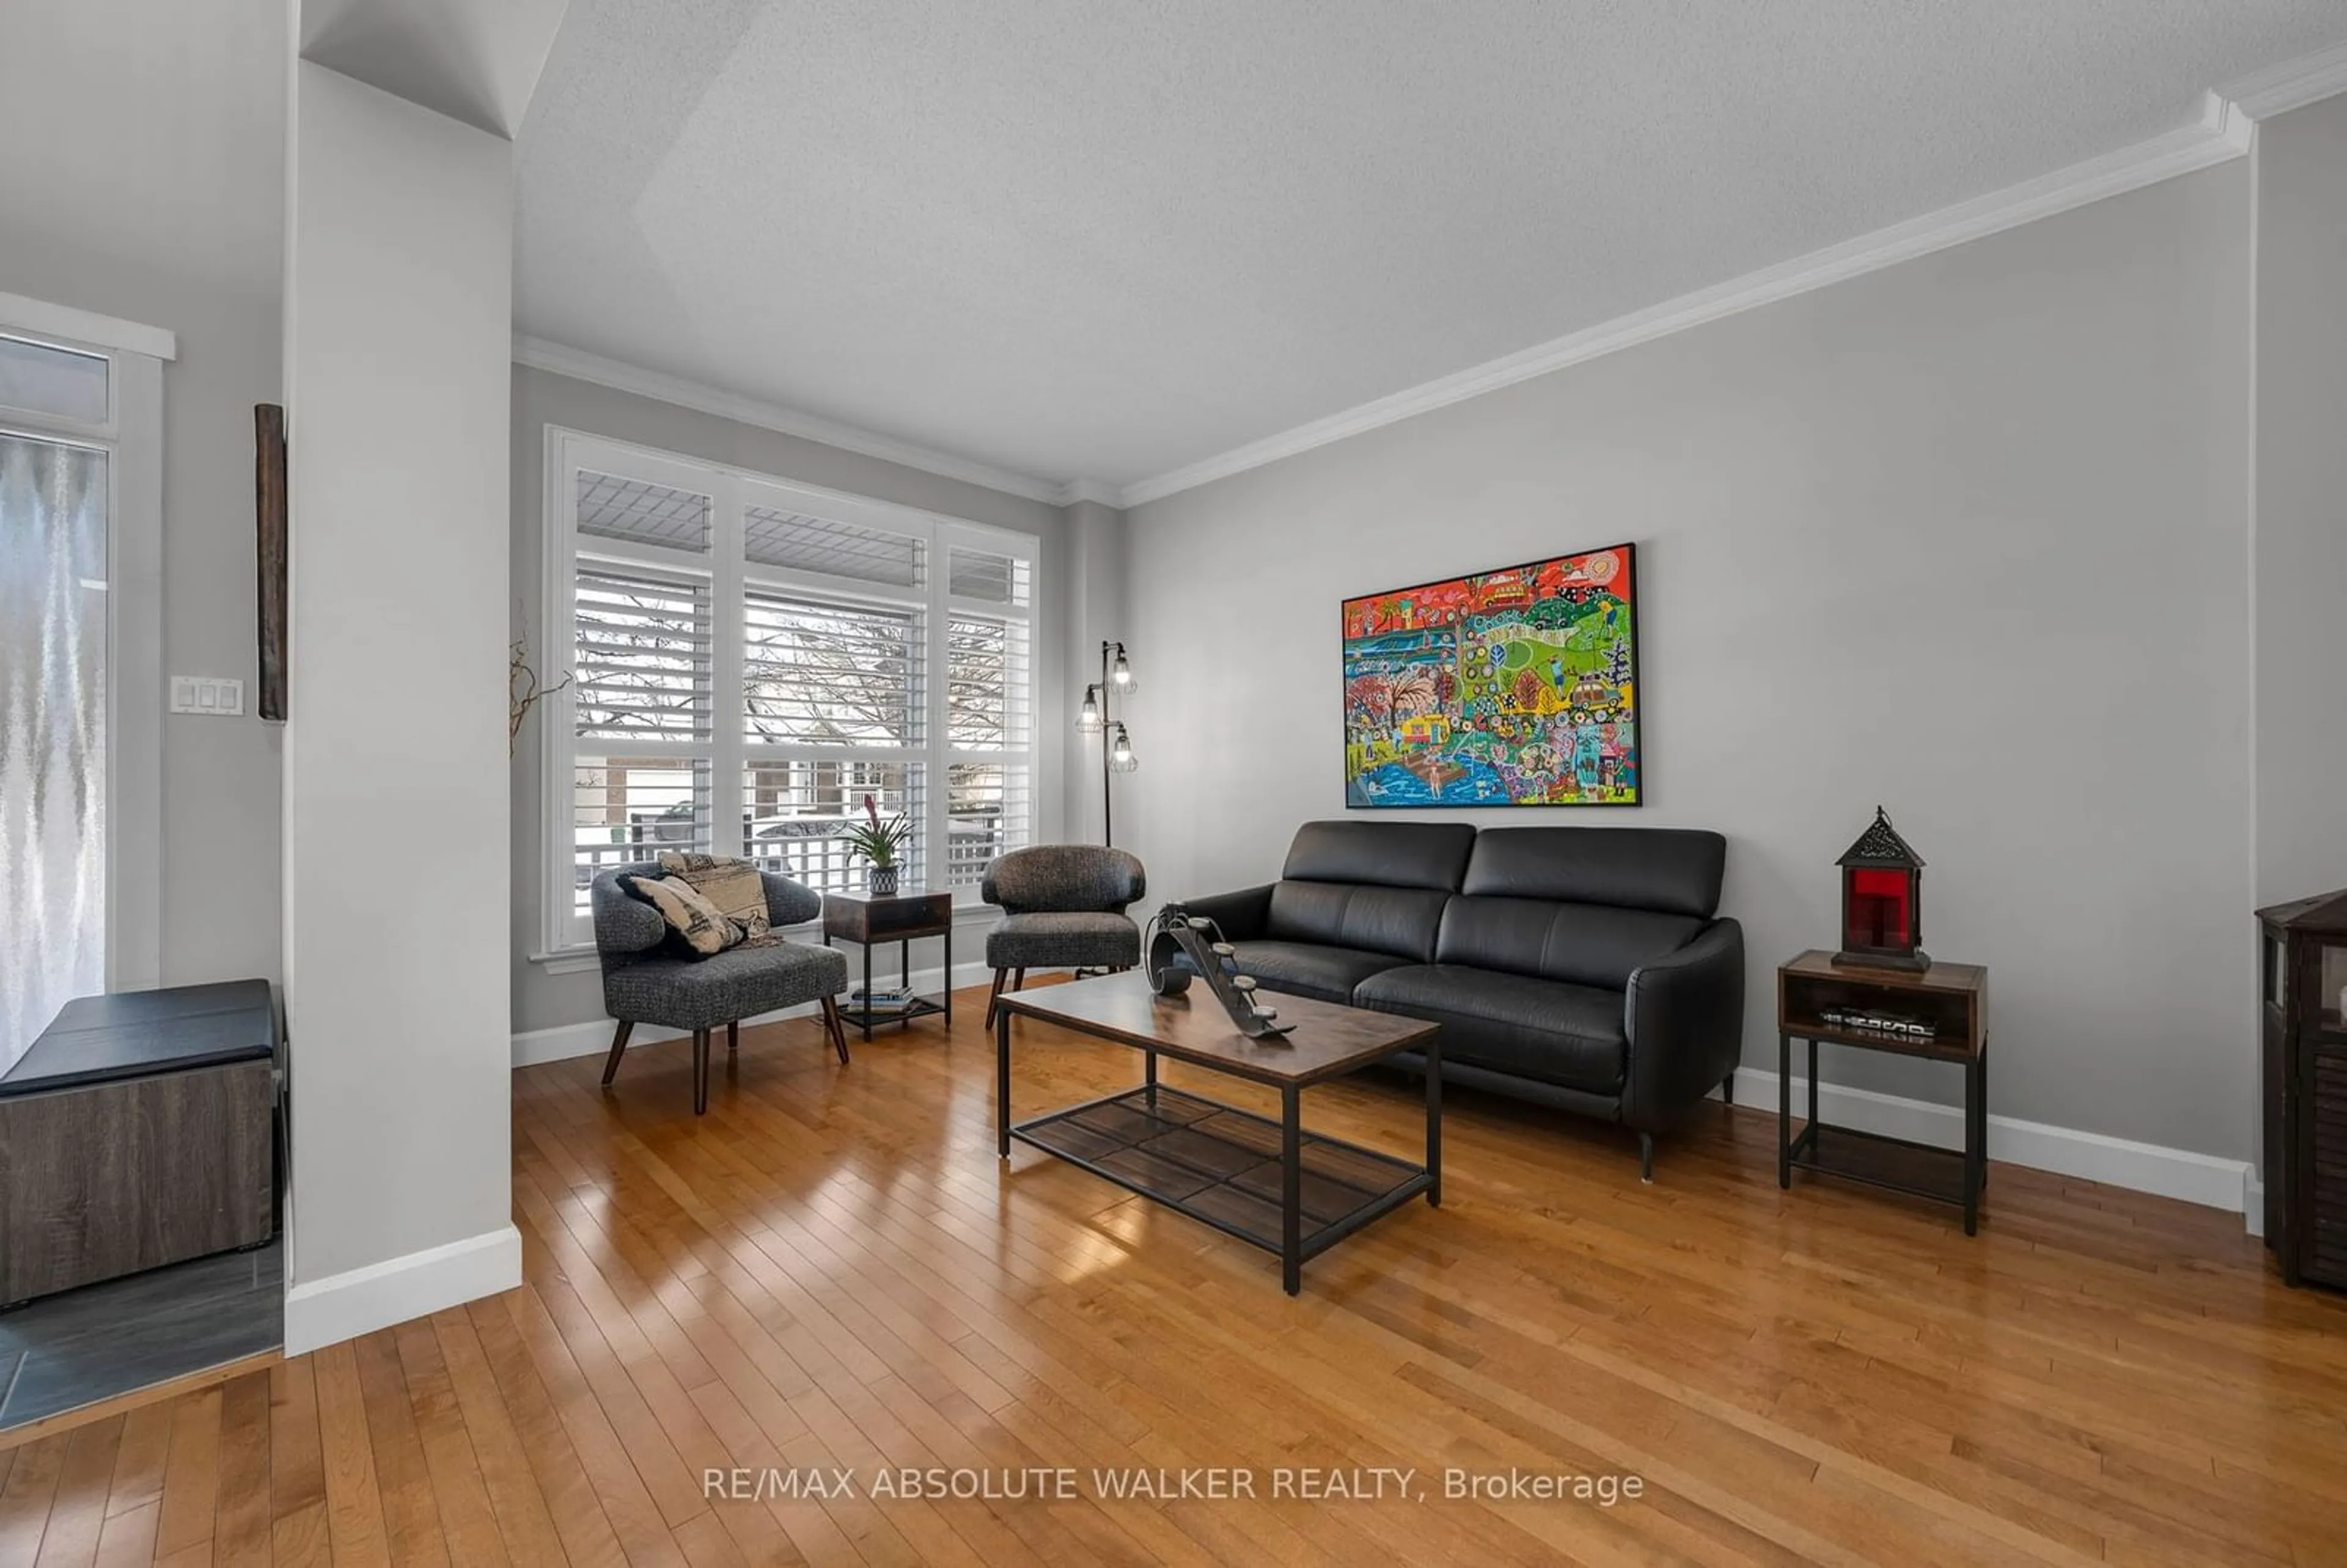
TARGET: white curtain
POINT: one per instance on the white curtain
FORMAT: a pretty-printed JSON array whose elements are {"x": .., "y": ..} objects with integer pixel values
[{"x": 53, "y": 619}]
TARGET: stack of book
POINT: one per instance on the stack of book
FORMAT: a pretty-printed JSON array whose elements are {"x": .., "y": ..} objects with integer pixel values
[{"x": 877, "y": 1002}]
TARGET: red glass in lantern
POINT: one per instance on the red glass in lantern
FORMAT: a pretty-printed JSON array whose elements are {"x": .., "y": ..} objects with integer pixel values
[
  {"x": 1880, "y": 913},
  {"x": 1881, "y": 901}
]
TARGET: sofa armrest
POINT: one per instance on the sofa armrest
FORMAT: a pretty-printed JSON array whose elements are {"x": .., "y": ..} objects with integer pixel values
[
  {"x": 1241, "y": 917},
  {"x": 789, "y": 901},
  {"x": 1685, "y": 1018},
  {"x": 625, "y": 927}
]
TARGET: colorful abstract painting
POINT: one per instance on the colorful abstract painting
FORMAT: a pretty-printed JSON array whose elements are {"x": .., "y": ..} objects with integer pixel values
[{"x": 1517, "y": 687}]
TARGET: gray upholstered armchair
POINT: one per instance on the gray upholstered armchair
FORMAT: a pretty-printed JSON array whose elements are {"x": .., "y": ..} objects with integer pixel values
[
  {"x": 1065, "y": 906},
  {"x": 642, "y": 983}
]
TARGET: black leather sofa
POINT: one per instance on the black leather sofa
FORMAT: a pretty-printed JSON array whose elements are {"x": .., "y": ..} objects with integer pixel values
[{"x": 1582, "y": 967}]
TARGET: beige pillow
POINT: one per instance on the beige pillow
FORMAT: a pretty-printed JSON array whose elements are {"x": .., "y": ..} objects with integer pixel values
[
  {"x": 688, "y": 914},
  {"x": 732, "y": 887}
]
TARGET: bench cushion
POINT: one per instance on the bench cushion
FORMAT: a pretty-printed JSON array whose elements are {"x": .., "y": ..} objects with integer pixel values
[
  {"x": 136, "y": 1034},
  {"x": 738, "y": 983},
  {"x": 1039, "y": 940}
]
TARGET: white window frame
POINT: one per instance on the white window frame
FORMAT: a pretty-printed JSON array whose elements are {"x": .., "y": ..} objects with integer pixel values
[
  {"x": 131, "y": 435},
  {"x": 732, "y": 491}
]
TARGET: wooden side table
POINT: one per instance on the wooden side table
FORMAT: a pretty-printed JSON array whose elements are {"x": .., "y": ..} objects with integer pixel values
[
  {"x": 869, "y": 920},
  {"x": 1945, "y": 1011}
]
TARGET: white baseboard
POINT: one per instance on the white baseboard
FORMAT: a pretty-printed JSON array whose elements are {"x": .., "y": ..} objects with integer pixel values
[
  {"x": 592, "y": 1037},
  {"x": 2093, "y": 1156},
  {"x": 345, "y": 1305},
  {"x": 2231, "y": 1186}
]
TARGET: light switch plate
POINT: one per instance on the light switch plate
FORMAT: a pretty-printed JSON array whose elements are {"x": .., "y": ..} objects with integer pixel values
[{"x": 211, "y": 696}]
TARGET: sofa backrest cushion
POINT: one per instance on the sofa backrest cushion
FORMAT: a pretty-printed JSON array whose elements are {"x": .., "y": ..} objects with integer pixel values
[
  {"x": 1381, "y": 853},
  {"x": 1580, "y": 944},
  {"x": 1378, "y": 887},
  {"x": 1671, "y": 870},
  {"x": 1584, "y": 905},
  {"x": 1401, "y": 921}
]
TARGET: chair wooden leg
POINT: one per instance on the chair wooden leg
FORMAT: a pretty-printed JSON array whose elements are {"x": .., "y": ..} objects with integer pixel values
[
  {"x": 734, "y": 1037},
  {"x": 833, "y": 1026},
  {"x": 700, "y": 1072},
  {"x": 619, "y": 1044},
  {"x": 1019, "y": 979},
  {"x": 995, "y": 996}
]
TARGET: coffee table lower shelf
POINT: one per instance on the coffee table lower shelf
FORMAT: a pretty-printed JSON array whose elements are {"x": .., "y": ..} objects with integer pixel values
[{"x": 1222, "y": 1166}]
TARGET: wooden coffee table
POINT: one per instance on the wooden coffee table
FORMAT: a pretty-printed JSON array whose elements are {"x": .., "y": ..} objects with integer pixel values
[{"x": 1269, "y": 1184}]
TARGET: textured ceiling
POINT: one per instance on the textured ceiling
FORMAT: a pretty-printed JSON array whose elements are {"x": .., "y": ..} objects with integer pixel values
[{"x": 1096, "y": 241}]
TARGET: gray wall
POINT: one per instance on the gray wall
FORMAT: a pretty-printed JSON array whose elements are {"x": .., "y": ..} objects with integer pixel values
[
  {"x": 162, "y": 202},
  {"x": 2301, "y": 503},
  {"x": 546, "y": 1001},
  {"x": 1967, "y": 537},
  {"x": 1098, "y": 613}
]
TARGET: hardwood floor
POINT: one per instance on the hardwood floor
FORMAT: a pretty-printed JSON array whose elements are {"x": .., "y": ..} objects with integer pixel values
[{"x": 830, "y": 1270}]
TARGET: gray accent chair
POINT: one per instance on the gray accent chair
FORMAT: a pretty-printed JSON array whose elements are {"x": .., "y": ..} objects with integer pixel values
[
  {"x": 643, "y": 983},
  {"x": 1063, "y": 908}
]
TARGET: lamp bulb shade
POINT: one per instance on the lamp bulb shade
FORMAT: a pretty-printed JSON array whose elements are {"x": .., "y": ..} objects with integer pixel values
[
  {"x": 1088, "y": 717},
  {"x": 1122, "y": 673},
  {"x": 1120, "y": 757}
]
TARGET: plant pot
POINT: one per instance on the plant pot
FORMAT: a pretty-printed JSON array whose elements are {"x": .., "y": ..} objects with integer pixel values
[{"x": 884, "y": 881}]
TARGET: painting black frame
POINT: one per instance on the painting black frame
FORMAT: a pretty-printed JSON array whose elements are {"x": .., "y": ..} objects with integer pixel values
[{"x": 1629, "y": 550}]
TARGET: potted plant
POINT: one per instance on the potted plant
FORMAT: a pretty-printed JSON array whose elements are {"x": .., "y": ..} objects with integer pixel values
[{"x": 877, "y": 842}]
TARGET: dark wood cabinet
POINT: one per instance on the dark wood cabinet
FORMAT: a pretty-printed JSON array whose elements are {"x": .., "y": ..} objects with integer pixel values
[{"x": 2303, "y": 982}]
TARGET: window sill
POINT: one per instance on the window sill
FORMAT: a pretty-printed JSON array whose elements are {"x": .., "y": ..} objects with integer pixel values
[{"x": 583, "y": 960}]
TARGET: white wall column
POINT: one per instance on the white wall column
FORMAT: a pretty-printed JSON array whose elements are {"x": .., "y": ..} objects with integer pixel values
[
  {"x": 2300, "y": 527},
  {"x": 398, "y": 322}
]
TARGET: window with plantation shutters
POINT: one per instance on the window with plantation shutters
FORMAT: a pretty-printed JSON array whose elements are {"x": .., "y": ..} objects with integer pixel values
[
  {"x": 752, "y": 661},
  {"x": 640, "y": 664},
  {"x": 989, "y": 721},
  {"x": 821, "y": 672}
]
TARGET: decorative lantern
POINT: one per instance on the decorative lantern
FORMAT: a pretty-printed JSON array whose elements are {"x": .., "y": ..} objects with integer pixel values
[{"x": 1882, "y": 901}]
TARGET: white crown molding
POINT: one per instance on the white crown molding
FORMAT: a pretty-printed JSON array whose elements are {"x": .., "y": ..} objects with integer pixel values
[
  {"x": 86, "y": 327},
  {"x": 2221, "y": 133},
  {"x": 561, "y": 359},
  {"x": 1093, "y": 490},
  {"x": 2226, "y": 129},
  {"x": 2293, "y": 84}
]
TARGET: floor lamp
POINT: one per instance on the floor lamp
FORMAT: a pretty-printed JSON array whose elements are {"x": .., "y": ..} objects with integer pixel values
[{"x": 1098, "y": 717}]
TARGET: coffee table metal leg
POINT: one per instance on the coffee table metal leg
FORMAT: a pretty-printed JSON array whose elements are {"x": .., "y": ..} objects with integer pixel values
[
  {"x": 1002, "y": 1083},
  {"x": 1291, "y": 1185},
  {"x": 868, "y": 991},
  {"x": 1150, "y": 1057},
  {"x": 1434, "y": 1123}
]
